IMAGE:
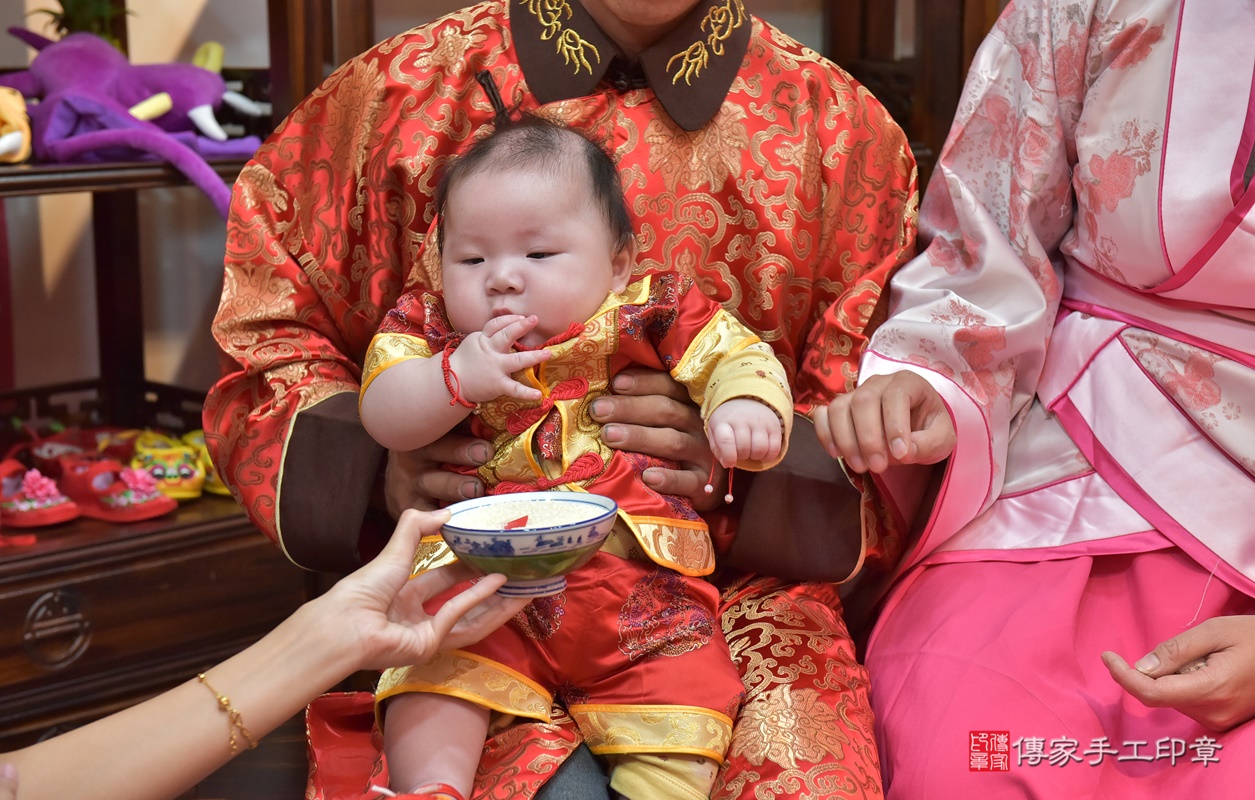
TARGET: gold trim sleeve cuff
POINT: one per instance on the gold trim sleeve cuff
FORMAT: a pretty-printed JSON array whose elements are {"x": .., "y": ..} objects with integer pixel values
[
  {"x": 387, "y": 349},
  {"x": 654, "y": 729},
  {"x": 470, "y": 677}
]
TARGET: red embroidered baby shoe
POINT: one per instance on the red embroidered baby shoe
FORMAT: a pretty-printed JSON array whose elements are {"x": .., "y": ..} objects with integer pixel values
[
  {"x": 104, "y": 489},
  {"x": 46, "y": 452},
  {"x": 30, "y": 500}
]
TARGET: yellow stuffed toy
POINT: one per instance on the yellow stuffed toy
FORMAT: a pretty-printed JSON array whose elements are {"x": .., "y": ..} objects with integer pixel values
[{"x": 15, "y": 129}]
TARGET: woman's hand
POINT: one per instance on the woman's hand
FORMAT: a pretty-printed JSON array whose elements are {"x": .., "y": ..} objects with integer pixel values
[
  {"x": 414, "y": 479},
  {"x": 383, "y": 606},
  {"x": 887, "y": 420},
  {"x": 1206, "y": 673},
  {"x": 652, "y": 414}
]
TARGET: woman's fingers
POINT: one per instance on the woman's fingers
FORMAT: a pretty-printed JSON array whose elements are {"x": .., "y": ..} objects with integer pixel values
[
  {"x": 844, "y": 438},
  {"x": 1203, "y": 672},
  {"x": 392, "y": 563},
  {"x": 432, "y": 582},
  {"x": 475, "y": 612},
  {"x": 888, "y": 419},
  {"x": 1200, "y": 641}
]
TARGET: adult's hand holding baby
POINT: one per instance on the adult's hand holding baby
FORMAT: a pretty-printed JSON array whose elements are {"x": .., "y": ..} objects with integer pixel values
[
  {"x": 416, "y": 478},
  {"x": 651, "y": 413}
]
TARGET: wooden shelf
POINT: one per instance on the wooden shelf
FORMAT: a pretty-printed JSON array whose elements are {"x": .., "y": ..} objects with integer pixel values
[
  {"x": 97, "y": 402},
  {"x": 32, "y": 179},
  {"x": 95, "y": 616},
  {"x": 83, "y": 542}
]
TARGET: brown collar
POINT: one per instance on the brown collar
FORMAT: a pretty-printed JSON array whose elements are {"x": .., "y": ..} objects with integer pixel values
[{"x": 565, "y": 55}]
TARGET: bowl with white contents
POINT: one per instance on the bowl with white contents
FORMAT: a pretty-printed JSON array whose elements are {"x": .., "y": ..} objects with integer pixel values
[{"x": 535, "y": 539}]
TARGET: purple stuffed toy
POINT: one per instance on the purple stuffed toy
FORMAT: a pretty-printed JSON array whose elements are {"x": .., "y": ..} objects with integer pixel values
[{"x": 87, "y": 89}]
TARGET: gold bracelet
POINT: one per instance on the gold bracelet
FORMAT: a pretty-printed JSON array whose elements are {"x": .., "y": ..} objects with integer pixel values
[{"x": 233, "y": 716}]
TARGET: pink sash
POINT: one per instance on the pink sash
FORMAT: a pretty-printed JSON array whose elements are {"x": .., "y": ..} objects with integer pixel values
[
  {"x": 1151, "y": 453},
  {"x": 1206, "y": 220}
]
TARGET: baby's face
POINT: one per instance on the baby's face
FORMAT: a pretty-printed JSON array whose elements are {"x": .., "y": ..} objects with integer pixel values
[{"x": 527, "y": 242}]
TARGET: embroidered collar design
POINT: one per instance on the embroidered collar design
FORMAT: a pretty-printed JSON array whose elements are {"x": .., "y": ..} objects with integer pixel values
[{"x": 565, "y": 55}]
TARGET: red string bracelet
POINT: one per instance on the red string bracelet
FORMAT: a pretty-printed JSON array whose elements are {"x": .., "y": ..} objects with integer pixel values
[
  {"x": 450, "y": 377},
  {"x": 710, "y": 484}
]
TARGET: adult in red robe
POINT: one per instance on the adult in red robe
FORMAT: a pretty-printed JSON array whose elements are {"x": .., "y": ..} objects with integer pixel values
[{"x": 751, "y": 164}]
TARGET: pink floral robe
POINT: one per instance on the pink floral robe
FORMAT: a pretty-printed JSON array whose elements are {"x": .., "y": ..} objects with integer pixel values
[{"x": 1093, "y": 195}]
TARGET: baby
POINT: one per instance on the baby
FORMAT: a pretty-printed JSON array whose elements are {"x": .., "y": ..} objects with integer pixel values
[{"x": 539, "y": 309}]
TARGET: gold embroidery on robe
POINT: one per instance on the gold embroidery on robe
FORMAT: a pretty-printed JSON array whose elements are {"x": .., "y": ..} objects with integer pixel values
[
  {"x": 387, "y": 349},
  {"x": 432, "y": 552},
  {"x": 693, "y": 160},
  {"x": 785, "y": 726},
  {"x": 678, "y": 544}
]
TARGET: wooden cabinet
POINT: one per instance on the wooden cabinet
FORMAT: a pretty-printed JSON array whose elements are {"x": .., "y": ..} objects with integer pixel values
[
  {"x": 309, "y": 39},
  {"x": 97, "y": 616},
  {"x": 94, "y": 616},
  {"x": 122, "y": 394}
]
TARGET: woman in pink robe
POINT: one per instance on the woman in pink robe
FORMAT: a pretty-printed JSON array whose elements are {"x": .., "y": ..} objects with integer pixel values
[{"x": 1094, "y": 195}]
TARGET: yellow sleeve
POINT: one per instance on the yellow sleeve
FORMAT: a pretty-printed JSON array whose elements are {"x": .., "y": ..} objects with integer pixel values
[
  {"x": 726, "y": 361},
  {"x": 387, "y": 349}
]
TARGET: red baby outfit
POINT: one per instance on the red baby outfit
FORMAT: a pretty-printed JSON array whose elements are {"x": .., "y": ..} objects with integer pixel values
[{"x": 632, "y": 647}]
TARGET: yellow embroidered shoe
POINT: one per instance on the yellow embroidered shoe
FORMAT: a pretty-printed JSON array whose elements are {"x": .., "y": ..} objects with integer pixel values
[
  {"x": 118, "y": 443},
  {"x": 213, "y": 483},
  {"x": 173, "y": 465}
]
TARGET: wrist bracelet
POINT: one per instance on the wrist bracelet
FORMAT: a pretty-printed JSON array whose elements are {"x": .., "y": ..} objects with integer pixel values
[
  {"x": 710, "y": 483},
  {"x": 450, "y": 377},
  {"x": 234, "y": 717}
]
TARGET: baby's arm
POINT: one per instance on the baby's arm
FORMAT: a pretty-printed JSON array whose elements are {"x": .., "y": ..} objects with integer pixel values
[
  {"x": 743, "y": 429},
  {"x": 409, "y": 405}
]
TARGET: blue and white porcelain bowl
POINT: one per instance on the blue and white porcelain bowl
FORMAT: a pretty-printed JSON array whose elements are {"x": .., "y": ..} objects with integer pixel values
[{"x": 533, "y": 538}]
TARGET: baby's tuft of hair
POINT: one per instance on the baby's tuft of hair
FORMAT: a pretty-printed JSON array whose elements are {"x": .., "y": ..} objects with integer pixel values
[{"x": 530, "y": 142}]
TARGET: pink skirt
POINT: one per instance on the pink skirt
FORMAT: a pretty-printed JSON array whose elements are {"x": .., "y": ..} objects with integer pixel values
[{"x": 987, "y": 682}]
